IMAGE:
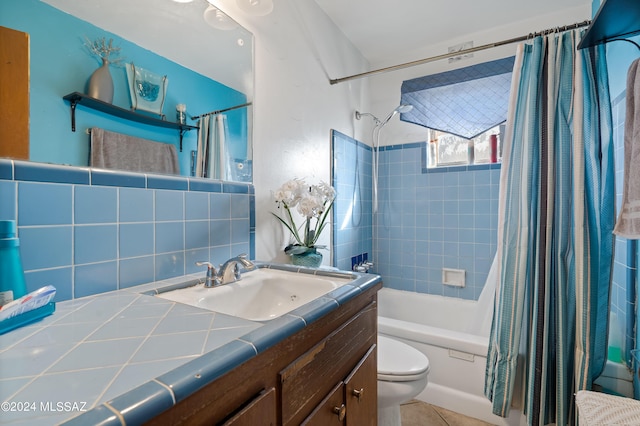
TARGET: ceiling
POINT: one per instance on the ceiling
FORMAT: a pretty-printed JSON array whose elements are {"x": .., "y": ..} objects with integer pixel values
[{"x": 387, "y": 31}]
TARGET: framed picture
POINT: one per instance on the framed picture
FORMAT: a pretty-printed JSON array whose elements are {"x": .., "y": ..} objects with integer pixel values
[{"x": 147, "y": 89}]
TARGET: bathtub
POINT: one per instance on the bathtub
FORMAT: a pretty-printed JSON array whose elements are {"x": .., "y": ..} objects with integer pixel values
[
  {"x": 454, "y": 334},
  {"x": 437, "y": 327}
]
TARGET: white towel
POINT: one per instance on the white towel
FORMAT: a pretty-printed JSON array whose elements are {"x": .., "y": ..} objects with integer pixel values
[
  {"x": 628, "y": 224},
  {"x": 110, "y": 150}
]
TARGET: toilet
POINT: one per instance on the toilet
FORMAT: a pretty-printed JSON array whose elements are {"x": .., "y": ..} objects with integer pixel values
[{"x": 402, "y": 375}]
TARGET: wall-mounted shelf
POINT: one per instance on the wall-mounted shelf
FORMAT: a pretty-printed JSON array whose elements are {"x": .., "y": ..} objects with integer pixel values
[
  {"x": 76, "y": 98},
  {"x": 615, "y": 20}
]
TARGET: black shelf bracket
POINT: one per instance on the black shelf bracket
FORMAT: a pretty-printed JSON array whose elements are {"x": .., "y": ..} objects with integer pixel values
[
  {"x": 73, "y": 103},
  {"x": 182, "y": 132}
]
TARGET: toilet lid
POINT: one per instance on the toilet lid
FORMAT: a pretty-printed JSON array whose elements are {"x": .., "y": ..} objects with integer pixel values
[{"x": 399, "y": 360}]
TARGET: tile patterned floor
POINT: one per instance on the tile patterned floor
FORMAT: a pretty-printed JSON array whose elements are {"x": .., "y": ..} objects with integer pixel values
[{"x": 418, "y": 413}]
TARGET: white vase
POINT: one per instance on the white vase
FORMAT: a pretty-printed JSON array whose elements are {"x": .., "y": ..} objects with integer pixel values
[{"x": 101, "y": 83}]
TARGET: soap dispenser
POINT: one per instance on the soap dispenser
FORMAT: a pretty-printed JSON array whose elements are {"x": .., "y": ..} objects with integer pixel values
[{"x": 12, "y": 283}]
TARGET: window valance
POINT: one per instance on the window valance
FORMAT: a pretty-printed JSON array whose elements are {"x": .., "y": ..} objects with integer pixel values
[{"x": 465, "y": 102}]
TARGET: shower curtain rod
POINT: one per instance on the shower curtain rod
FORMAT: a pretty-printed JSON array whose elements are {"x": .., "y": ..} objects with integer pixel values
[
  {"x": 461, "y": 52},
  {"x": 220, "y": 111}
]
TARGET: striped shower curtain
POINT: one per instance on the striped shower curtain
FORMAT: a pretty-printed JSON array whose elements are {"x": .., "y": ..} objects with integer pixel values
[{"x": 556, "y": 216}]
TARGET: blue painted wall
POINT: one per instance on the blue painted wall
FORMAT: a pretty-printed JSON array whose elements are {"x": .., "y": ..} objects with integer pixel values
[{"x": 61, "y": 64}]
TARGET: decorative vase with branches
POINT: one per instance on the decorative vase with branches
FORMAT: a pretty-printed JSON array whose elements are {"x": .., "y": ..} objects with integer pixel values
[{"x": 101, "y": 82}]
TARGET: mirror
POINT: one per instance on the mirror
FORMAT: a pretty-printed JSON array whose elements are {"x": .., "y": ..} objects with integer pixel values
[{"x": 208, "y": 69}]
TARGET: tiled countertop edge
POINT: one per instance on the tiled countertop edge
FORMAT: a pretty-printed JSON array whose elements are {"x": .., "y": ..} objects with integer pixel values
[{"x": 152, "y": 398}]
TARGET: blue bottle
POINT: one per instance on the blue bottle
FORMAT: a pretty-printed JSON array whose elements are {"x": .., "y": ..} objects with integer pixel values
[{"x": 12, "y": 284}]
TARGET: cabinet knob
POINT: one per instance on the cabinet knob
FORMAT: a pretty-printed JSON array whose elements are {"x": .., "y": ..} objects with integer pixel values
[
  {"x": 358, "y": 393},
  {"x": 341, "y": 411}
]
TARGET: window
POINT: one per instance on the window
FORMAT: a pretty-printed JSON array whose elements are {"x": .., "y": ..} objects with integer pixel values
[
  {"x": 466, "y": 106},
  {"x": 446, "y": 149}
]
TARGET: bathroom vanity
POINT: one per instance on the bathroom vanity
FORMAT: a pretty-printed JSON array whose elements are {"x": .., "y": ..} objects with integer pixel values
[
  {"x": 129, "y": 357},
  {"x": 324, "y": 374}
]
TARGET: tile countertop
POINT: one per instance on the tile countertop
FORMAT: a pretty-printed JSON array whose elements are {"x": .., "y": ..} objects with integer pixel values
[{"x": 123, "y": 357}]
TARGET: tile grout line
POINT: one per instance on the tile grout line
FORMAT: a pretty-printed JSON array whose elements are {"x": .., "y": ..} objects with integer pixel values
[
  {"x": 39, "y": 329},
  {"x": 209, "y": 329},
  {"x": 135, "y": 352},
  {"x": 34, "y": 378},
  {"x": 167, "y": 387},
  {"x": 117, "y": 413}
]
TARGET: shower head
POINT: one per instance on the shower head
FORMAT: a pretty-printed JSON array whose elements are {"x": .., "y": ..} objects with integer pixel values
[{"x": 400, "y": 109}]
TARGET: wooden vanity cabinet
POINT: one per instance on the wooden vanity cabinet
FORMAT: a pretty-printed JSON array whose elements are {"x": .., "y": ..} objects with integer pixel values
[
  {"x": 361, "y": 391},
  {"x": 260, "y": 411},
  {"x": 331, "y": 411},
  {"x": 353, "y": 401},
  {"x": 319, "y": 366}
]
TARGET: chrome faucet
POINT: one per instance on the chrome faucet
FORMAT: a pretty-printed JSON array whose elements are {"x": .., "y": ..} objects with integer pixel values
[{"x": 228, "y": 272}]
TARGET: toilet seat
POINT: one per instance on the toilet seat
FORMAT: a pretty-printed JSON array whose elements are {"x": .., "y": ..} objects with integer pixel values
[{"x": 399, "y": 362}]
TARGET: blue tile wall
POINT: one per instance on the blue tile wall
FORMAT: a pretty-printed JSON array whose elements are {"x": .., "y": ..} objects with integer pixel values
[
  {"x": 429, "y": 219},
  {"x": 426, "y": 219},
  {"x": 622, "y": 309},
  {"x": 351, "y": 177},
  {"x": 88, "y": 231}
]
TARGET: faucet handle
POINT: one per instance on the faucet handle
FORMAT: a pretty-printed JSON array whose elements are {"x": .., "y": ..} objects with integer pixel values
[
  {"x": 212, "y": 276},
  {"x": 209, "y": 265}
]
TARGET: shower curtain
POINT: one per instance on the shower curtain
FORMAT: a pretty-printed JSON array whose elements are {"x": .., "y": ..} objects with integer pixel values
[
  {"x": 556, "y": 216},
  {"x": 212, "y": 156}
]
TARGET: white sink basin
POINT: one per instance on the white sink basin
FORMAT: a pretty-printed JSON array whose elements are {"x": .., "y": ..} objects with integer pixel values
[{"x": 261, "y": 295}]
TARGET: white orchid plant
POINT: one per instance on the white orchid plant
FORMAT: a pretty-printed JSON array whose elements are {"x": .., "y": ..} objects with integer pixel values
[{"x": 313, "y": 202}]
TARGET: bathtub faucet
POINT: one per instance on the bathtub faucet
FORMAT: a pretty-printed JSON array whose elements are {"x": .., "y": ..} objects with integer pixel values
[
  {"x": 363, "y": 267},
  {"x": 228, "y": 272}
]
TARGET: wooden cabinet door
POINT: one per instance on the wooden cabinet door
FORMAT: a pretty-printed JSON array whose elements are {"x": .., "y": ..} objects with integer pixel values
[
  {"x": 259, "y": 412},
  {"x": 14, "y": 94},
  {"x": 361, "y": 391},
  {"x": 331, "y": 411},
  {"x": 307, "y": 380}
]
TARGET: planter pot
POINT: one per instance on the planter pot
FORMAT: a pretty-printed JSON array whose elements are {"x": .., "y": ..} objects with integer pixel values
[{"x": 310, "y": 259}]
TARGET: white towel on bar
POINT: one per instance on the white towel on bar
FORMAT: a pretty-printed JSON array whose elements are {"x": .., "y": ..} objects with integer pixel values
[
  {"x": 110, "y": 150},
  {"x": 628, "y": 224}
]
